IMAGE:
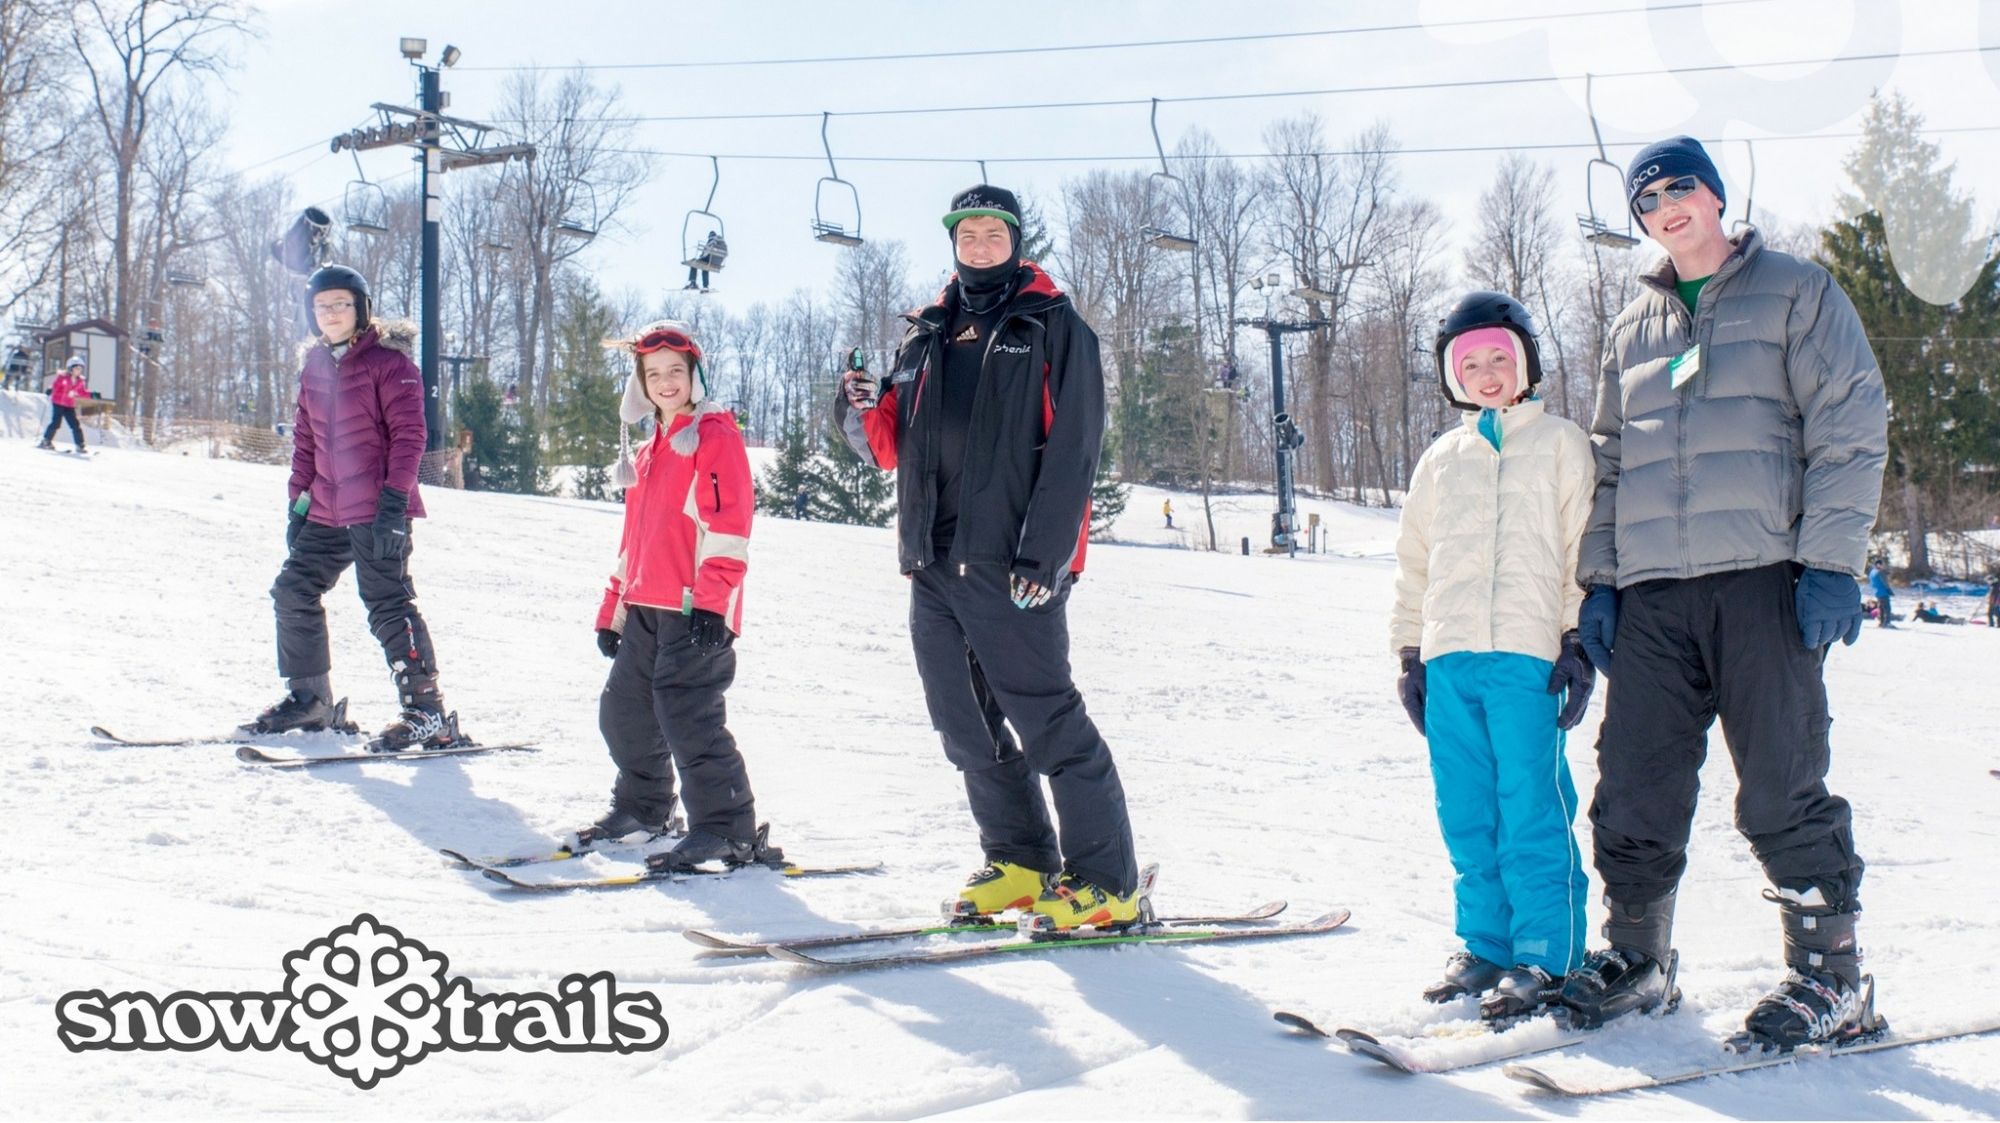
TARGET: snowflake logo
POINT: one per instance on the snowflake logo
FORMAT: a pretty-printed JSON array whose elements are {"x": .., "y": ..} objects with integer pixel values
[{"x": 365, "y": 1000}]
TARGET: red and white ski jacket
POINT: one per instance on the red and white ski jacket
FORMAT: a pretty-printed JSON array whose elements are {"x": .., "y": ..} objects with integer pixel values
[
  {"x": 68, "y": 390},
  {"x": 687, "y": 522}
]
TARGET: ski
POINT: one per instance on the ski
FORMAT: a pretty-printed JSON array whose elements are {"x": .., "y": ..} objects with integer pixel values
[
  {"x": 251, "y": 754},
  {"x": 1482, "y": 1044},
  {"x": 619, "y": 881},
  {"x": 1580, "y": 1085},
  {"x": 339, "y": 726},
  {"x": 723, "y": 946},
  {"x": 1151, "y": 934},
  {"x": 509, "y": 861},
  {"x": 676, "y": 829}
]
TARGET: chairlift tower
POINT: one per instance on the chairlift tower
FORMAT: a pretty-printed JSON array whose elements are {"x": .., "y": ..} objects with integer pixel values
[
  {"x": 425, "y": 128},
  {"x": 1286, "y": 438}
]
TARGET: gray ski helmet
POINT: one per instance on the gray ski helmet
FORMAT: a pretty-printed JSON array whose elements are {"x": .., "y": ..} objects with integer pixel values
[
  {"x": 1485, "y": 309},
  {"x": 330, "y": 277}
]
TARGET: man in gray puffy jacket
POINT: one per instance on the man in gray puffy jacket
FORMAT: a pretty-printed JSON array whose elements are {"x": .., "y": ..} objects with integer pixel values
[{"x": 1740, "y": 435}]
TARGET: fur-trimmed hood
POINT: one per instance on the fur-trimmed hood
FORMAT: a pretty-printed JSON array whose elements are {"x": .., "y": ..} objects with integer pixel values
[{"x": 397, "y": 335}]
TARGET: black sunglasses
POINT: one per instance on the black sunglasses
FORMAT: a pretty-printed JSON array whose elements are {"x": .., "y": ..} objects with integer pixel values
[{"x": 1675, "y": 189}]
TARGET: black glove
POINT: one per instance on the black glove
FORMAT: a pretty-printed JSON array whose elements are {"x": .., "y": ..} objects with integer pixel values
[
  {"x": 607, "y": 642},
  {"x": 390, "y": 529},
  {"x": 1574, "y": 674},
  {"x": 1410, "y": 684},
  {"x": 294, "y": 522},
  {"x": 708, "y": 632}
]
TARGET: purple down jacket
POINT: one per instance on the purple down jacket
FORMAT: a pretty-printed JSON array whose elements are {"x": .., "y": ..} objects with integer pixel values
[{"x": 360, "y": 426}]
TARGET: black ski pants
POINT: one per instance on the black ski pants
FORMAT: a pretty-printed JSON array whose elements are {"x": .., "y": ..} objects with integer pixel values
[
  {"x": 1687, "y": 652},
  {"x": 987, "y": 665},
  {"x": 319, "y": 556},
  {"x": 63, "y": 414},
  {"x": 662, "y": 710}
]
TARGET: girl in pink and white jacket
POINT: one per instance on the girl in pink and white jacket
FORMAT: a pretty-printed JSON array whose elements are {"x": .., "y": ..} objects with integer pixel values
[
  {"x": 671, "y": 613},
  {"x": 69, "y": 388}
]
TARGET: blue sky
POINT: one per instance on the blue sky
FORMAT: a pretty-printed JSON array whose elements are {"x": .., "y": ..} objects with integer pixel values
[{"x": 320, "y": 62}]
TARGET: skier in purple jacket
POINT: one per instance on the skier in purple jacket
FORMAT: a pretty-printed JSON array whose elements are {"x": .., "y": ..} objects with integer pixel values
[{"x": 356, "y": 442}]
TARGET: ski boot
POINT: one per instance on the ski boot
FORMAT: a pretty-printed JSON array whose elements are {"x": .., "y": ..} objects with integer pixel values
[
  {"x": 1824, "y": 998},
  {"x": 1523, "y": 992},
  {"x": 994, "y": 888},
  {"x": 423, "y": 723},
  {"x": 1635, "y": 974},
  {"x": 1070, "y": 902},
  {"x": 47, "y": 444},
  {"x": 702, "y": 845},
  {"x": 1464, "y": 973},
  {"x": 300, "y": 710},
  {"x": 620, "y": 825}
]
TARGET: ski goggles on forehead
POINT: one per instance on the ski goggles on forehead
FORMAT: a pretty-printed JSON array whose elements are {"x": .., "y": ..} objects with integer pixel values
[
  {"x": 667, "y": 339},
  {"x": 1676, "y": 189}
]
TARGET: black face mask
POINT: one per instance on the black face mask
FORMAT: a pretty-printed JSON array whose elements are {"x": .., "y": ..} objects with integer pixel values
[{"x": 982, "y": 289}]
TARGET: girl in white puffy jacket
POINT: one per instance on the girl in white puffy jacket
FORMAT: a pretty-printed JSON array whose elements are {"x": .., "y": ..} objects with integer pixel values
[{"x": 1493, "y": 671}]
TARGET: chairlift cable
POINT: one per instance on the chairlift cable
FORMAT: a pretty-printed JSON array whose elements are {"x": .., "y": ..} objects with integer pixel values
[
  {"x": 1329, "y": 91},
  {"x": 1072, "y": 48}
]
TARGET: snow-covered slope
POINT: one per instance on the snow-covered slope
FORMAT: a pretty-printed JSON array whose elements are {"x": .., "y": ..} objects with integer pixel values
[{"x": 1250, "y": 702}]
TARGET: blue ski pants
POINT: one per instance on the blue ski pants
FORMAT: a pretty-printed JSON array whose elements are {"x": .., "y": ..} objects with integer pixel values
[{"x": 1505, "y": 803}]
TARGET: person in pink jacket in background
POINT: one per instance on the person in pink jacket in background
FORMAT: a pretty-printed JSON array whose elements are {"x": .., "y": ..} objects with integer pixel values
[
  {"x": 356, "y": 442},
  {"x": 70, "y": 388}
]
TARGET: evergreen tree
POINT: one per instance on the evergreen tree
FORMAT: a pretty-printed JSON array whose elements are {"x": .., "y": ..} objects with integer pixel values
[
  {"x": 1107, "y": 495},
  {"x": 506, "y": 449},
  {"x": 1036, "y": 244},
  {"x": 778, "y": 487},
  {"x": 583, "y": 419},
  {"x": 849, "y": 489},
  {"x": 1900, "y": 261}
]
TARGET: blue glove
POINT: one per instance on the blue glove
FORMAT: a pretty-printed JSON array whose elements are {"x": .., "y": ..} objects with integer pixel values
[
  {"x": 1410, "y": 685},
  {"x": 1572, "y": 673},
  {"x": 1829, "y": 606},
  {"x": 1597, "y": 624}
]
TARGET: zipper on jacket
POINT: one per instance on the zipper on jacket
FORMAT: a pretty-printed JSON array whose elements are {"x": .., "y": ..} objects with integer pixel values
[{"x": 715, "y": 485}]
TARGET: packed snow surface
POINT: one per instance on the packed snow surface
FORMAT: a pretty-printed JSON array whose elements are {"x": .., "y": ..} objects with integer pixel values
[{"x": 1250, "y": 701}]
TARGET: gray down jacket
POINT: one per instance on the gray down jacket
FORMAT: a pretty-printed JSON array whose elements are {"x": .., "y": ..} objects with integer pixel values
[{"x": 1772, "y": 451}]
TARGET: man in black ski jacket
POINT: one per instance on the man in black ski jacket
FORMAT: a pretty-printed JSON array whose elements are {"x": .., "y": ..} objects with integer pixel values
[{"x": 993, "y": 418}]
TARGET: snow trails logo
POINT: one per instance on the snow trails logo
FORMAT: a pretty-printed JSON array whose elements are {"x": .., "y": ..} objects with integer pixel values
[{"x": 367, "y": 1002}]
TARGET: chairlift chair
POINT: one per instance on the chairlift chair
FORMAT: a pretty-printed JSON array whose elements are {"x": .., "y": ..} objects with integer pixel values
[
  {"x": 1160, "y": 236},
  {"x": 702, "y": 242},
  {"x": 833, "y": 233},
  {"x": 365, "y": 208},
  {"x": 580, "y": 220},
  {"x": 1749, "y": 194},
  {"x": 494, "y": 237},
  {"x": 1595, "y": 229}
]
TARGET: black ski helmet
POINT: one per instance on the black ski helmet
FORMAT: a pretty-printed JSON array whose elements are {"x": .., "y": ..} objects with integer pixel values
[
  {"x": 329, "y": 277},
  {"x": 1485, "y": 309}
]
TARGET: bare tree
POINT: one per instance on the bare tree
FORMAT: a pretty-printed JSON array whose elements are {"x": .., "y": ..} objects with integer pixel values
[
  {"x": 872, "y": 290},
  {"x": 1514, "y": 250},
  {"x": 1224, "y": 198},
  {"x": 581, "y": 179},
  {"x": 172, "y": 179},
  {"x": 256, "y": 291},
  {"x": 35, "y": 67},
  {"x": 1324, "y": 218},
  {"x": 1118, "y": 281},
  {"x": 126, "y": 53},
  {"x": 1408, "y": 282}
]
